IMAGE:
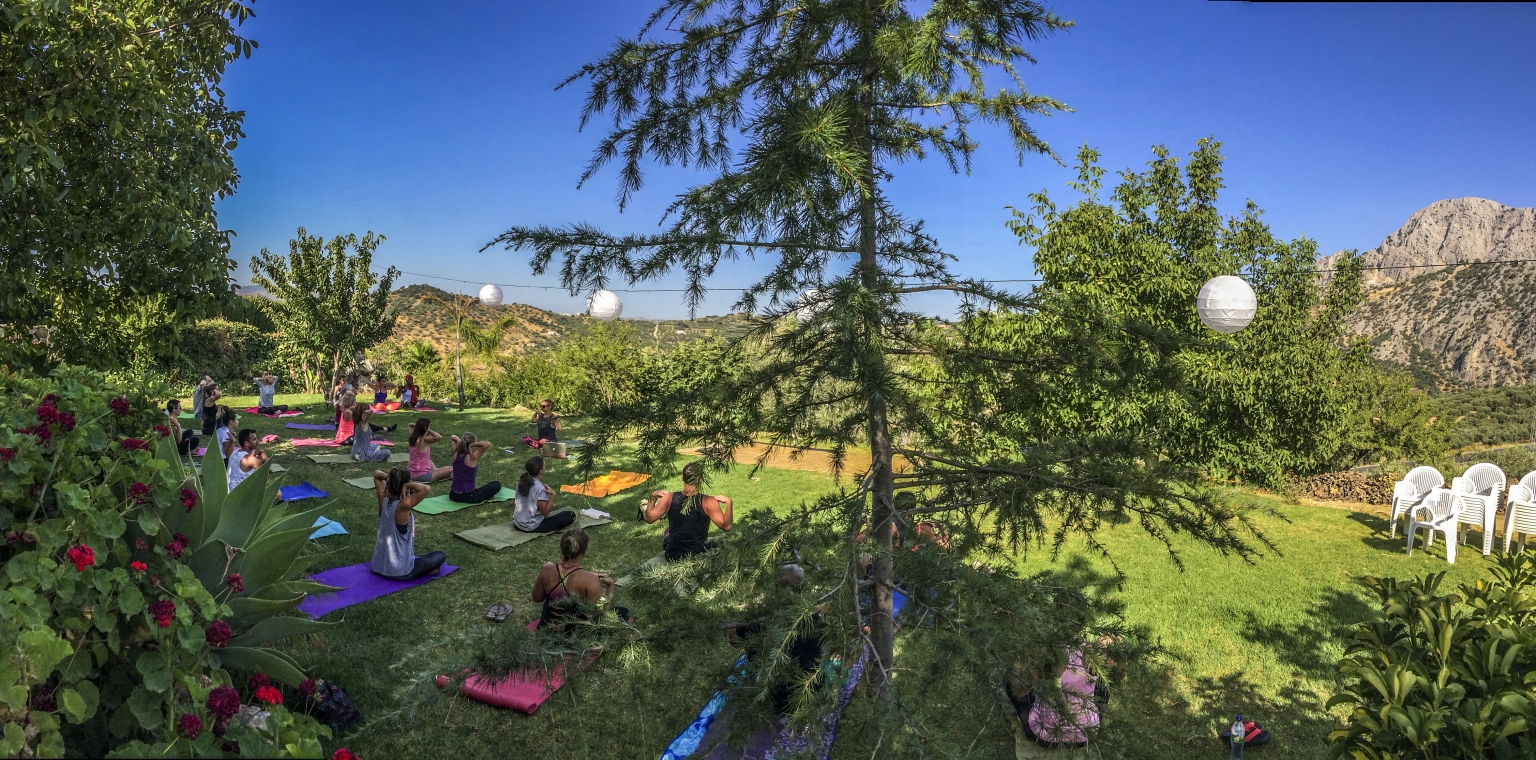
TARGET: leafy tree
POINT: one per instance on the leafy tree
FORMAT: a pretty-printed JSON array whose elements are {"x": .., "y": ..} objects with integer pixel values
[
  {"x": 828, "y": 99},
  {"x": 328, "y": 301},
  {"x": 484, "y": 342},
  {"x": 117, "y": 144}
]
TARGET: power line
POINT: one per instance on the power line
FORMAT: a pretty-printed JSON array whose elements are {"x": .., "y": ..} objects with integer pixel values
[{"x": 1035, "y": 280}]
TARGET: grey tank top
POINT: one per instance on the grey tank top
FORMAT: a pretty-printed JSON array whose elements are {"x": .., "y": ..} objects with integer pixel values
[{"x": 393, "y": 554}]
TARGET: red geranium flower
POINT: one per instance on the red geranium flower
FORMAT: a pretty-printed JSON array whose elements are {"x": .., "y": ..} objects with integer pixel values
[
  {"x": 217, "y": 634},
  {"x": 51, "y": 399},
  {"x": 180, "y": 538},
  {"x": 120, "y": 406},
  {"x": 140, "y": 544},
  {"x": 162, "y": 612},
  {"x": 188, "y": 498},
  {"x": 235, "y": 582},
  {"x": 66, "y": 421},
  {"x": 135, "y": 444},
  {"x": 223, "y": 702},
  {"x": 162, "y": 431},
  {"x": 82, "y": 556},
  {"x": 154, "y": 579},
  {"x": 138, "y": 491},
  {"x": 138, "y": 567},
  {"x": 47, "y": 414},
  {"x": 307, "y": 688},
  {"x": 343, "y": 754},
  {"x": 190, "y": 725},
  {"x": 175, "y": 549},
  {"x": 257, "y": 681},
  {"x": 269, "y": 695},
  {"x": 6, "y": 454}
]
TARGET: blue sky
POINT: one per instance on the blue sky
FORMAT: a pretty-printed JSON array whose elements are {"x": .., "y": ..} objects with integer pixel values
[{"x": 437, "y": 124}]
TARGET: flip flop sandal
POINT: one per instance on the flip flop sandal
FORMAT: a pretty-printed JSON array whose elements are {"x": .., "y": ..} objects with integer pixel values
[
  {"x": 1256, "y": 736},
  {"x": 499, "y": 613}
]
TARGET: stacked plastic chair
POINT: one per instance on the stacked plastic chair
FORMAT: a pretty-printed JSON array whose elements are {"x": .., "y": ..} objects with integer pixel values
[
  {"x": 1411, "y": 491},
  {"x": 1479, "y": 492},
  {"x": 1520, "y": 510},
  {"x": 1437, "y": 511}
]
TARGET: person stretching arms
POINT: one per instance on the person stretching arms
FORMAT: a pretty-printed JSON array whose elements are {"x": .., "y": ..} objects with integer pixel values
[
  {"x": 466, "y": 463},
  {"x": 534, "y": 502},
  {"x": 561, "y": 586},
  {"x": 246, "y": 458},
  {"x": 266, "y": 388},
  {"x": 186, "y": 440},
  {"x": 363, "y": 448},
  {"x": 419, "y": 449},
  {"x": 394, "y": 546},
  {"x": 689, "y": 513}
]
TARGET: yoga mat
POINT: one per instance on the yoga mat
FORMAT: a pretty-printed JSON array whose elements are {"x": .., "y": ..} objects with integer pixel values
[
  {"x": 357, "y": 584},
  {"x": 331, "y": 444},
  {"x": 269, "y": 439},
  {"x": 253, "y": 409},
  {"x": 436, "y": 505},
  {"x": 366, "y": 482},
  {"x": 301, "y": 491},
  {"x": 523, "y": 692},
  {"x": 502, "y": 535},
  {"x": 309, "y": 426},
  {"x": 186, "y": 416},
  {"x": 605, "y": 485},
  {"x": 398, "y": 456},
  {"x": 278, "y": 468},
  {"x": 325, "y": 526},
  {"x": 200, "y": 452}
]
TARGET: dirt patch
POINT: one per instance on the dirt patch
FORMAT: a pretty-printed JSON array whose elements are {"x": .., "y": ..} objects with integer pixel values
[{"x": 805, "y": 460}]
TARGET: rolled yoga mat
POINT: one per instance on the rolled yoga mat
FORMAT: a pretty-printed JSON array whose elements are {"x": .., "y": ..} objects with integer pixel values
[
  {"x": 502, "y": 535},
  {"x": 436, "y": 505},
  {"x": 357, "y": 584},
  {"x": 398, "y": 456}
]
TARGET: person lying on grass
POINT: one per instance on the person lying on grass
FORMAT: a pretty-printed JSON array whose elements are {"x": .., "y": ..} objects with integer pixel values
[
  {"x": 186, "y": 440},
  {"x": 244, "y": 459},
  {"x": 689, "y": 513},
  {"x": 531, "y": 512},
  {"x": 394, "y": 546},
  {"x": 562, "y": 587},
  {"x": 419, "y": 449},
  {"x": 363, "y": 447},
  {"x": 467, "y": 451},
  {"x": 804, "y": 648},
  {"x": 266, "y": 388}
]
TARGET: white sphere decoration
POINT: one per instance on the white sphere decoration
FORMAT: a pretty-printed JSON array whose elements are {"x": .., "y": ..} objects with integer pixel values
[
  {"x": 490, "y": 295},
  {"x": 604, "y": 305},
  {"x": 1226, "y": 304},
  {"x": 807, "y": 305}
]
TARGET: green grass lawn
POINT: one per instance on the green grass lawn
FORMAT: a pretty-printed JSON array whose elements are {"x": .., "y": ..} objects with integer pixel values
[{"x": 1262, "y": 639}]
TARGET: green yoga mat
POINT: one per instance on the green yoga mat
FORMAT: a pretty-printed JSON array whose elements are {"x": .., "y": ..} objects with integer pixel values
[
  {"x": 365, "y": 482},
  {"x": 278, "y": 468},
  {"x": 436, "y": 505},
  {"x": 502, "y": 535},
  {"x": 400, "y": 456},
  {"x": 186, "y": 416}
]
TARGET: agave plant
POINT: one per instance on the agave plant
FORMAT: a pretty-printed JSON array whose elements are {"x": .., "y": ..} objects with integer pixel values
[{"x": 248, "y": 532}]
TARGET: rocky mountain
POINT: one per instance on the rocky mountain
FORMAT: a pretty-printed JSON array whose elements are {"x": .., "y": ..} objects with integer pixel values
[
  {"x": 1439, "y": 305},
  {"x": 426, "y": 313}
]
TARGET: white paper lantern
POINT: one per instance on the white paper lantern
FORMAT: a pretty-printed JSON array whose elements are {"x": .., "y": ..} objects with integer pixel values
[
  {"x": 809, "y": 305},
  {"x": 1226, "y": 304},
  {"x": 604, "y": 305},
  {"x": 490, "y": 295}
]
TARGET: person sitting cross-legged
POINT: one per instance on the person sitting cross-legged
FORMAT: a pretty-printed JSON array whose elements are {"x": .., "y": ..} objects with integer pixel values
[
  {"x": 561, "y": 587},
  {"x": 363, "y": 447},
  {"x": 467, "y": 451},
  {"x": 244, "y": 459},
  {"x": 534, "y": 502},
  {"x": 394, "y": 548},
  {"x": 689, "y": 513},
  {"x": 186, "y": 440}
]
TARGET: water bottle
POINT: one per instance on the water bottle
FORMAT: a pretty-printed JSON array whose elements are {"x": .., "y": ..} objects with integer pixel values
[{"x": 1239, "y": 732}]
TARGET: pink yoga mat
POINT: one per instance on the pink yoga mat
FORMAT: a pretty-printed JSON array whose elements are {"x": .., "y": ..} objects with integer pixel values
[
  {"x": 358, "y": 584},
  {"x": 332, "y": 444},
  {"x": 523, "y": 692}
]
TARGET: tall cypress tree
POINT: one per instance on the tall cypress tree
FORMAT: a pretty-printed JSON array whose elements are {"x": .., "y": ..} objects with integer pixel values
[{"x": 802, "y": 109}]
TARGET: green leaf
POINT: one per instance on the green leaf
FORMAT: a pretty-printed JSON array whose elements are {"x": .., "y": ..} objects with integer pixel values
[
  {"x": 268, "y": 560},
  {"x": 148, "y": 707},
  {"x": 73, "y": 705},
  {"x": 130, "y": 601},
  {"x": 243, "y": 509},
  {"x": 42, "y": 651},
  {"x": 156, "y": 671},
  {"x": 269, "y": 661},
  {"x": 248, "y": 611},
  {"x": 275, "y": 628}
]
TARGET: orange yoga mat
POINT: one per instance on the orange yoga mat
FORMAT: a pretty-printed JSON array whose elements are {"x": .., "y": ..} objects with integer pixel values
[{"x": 606, "y": 485}]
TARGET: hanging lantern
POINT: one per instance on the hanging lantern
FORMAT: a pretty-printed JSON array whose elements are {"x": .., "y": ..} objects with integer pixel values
[
  {"x": 604, "y": 305},
  {"x": 809, "y": 305},
  {"x": 490, "y": 295},
  {"x": 1226, "y": 304}
]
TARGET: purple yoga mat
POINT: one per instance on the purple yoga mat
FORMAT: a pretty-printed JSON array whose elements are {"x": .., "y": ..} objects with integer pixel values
[
  {"x": 308, "y": 426},
  {"x": 358, "y": 584}
]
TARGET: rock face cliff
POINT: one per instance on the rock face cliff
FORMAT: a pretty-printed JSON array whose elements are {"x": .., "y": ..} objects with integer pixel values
[{"x": 1438, "y": 306}]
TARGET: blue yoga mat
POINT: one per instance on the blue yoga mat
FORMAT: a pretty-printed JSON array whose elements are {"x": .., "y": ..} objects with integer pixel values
[
  {"x": 300, "y": 491},
  {"x": 309, "y": 426},
  {"x": 325, "y": 526}
]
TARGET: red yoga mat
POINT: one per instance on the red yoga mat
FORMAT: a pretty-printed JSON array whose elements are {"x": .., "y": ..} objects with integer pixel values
[{"x": 523, "y": 692}]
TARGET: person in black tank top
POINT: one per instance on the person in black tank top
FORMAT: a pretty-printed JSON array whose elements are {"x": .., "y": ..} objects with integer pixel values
[{"x": 689, "y": 513}]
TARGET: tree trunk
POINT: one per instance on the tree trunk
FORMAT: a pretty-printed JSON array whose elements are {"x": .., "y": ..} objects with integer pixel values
[
  {"x": 458, "y": 365},
  {"x": 882, "y": 620}
]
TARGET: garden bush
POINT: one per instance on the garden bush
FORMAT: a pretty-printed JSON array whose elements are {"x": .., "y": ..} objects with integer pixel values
[
  {"x": 1444, "y": 675},
  {"x": 227, "y": 350},
  {"x": 124, "y": 615}
]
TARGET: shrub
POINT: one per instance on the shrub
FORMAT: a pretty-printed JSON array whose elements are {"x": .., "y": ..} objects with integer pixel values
[
  {"x": 227, "y": 350},
  {"x": 116, "y": 644},
  {"x": 1444, "y": 675}
]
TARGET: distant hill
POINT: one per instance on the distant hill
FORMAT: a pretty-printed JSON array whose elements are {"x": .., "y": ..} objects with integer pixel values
[
  {"x": 420, "y": 317},
  {"x": 1438, "y": 307}
]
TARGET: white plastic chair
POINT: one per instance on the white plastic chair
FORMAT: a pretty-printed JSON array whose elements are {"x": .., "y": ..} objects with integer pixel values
[
  {"x": 1520, "y": 510},
  {"x": 1411, "y": 490},
  {"x": 1437, "y": 511},
  {"x": 1479, "y": 491}
]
